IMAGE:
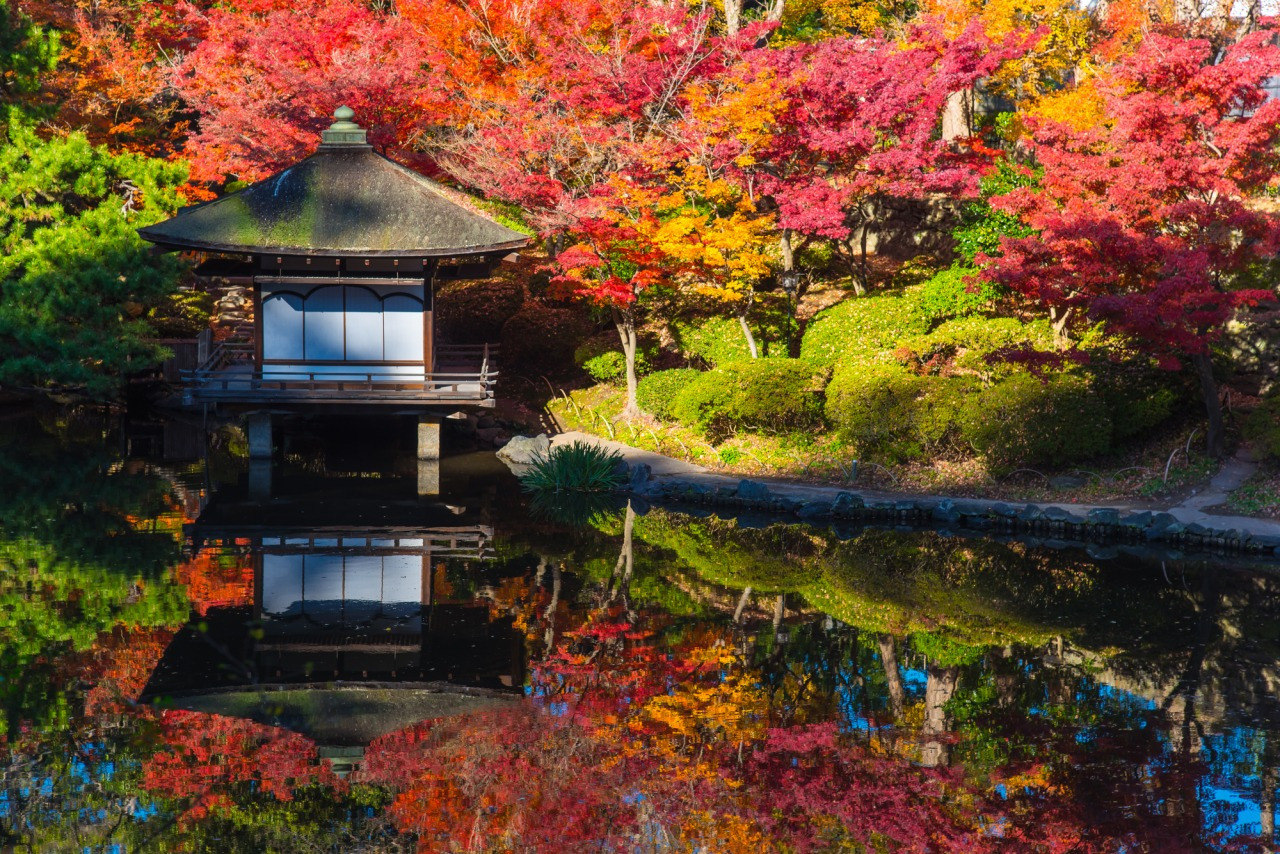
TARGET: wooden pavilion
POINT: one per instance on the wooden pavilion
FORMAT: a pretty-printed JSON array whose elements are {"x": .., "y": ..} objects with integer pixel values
[{"x": 344, "y": 249}]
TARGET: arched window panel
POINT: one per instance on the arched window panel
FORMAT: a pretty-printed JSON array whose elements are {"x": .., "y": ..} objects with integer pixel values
[
  {"x": 362, "y": 591},
  {"x": 322, "y": 580},
  {"x": 282, "y": 325},
  {"x": 402, "y": 585},
  {"x": 402, "y": 327},
  {"x": 324, "y": 332},
  {"x": 282, "y": 584},
  {"x": 364, "y": 325}
]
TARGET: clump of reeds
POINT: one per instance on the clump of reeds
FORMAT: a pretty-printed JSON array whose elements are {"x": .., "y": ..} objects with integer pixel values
[{"x": 580, "y": 467}]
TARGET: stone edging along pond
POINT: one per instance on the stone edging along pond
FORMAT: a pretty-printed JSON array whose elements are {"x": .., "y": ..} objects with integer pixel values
[{"x": 1100, "y": 524}]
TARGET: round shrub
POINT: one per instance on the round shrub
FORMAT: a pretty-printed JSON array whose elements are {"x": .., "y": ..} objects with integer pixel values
[
  {"x": 886, "y": 410},
  {"x": 474, "y": 312},
  {"x": 766, "y": 395},
  {"x": 602, "y": 358},
  {"x": 714, "y": 340},
  {"x": 1024, "y": 421},
  {"x": 873, "y": 405},
  {"x": 968, "y": 341},
  {"x": 657, "y": 392},
  {"x": 860, "y": 327},
  {"x": 1138, "y": 396},
  {"x": 956, "y": 292}
]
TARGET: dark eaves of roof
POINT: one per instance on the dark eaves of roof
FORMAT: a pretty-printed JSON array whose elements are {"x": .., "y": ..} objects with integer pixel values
[{"x": 345, "y": 200}]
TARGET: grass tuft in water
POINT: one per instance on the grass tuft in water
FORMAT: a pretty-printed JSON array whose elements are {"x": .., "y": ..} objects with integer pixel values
[{"x": 579, "y": 467}]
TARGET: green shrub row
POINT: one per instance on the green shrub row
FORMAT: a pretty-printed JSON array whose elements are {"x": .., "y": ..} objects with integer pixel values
[
  {"x": 861, "y": 328},
  {"x": 888, "y": 412},
  {"x": 1019, "y": 420},
  {"x": 761, "y": 395}
]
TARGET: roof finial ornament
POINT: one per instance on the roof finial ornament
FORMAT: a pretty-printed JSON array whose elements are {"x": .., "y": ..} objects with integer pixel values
[{"x": 343, "y": 131}]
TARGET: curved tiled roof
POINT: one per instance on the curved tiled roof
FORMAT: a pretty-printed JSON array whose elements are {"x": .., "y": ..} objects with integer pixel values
[{"x": 343, "y": 200}]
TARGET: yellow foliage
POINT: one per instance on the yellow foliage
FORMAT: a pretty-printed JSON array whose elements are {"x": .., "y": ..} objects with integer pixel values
[{"x": 1069, "y": 33}]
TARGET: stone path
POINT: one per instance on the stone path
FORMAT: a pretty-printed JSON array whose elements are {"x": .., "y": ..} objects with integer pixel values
[{"x": 1235, "y": 472}]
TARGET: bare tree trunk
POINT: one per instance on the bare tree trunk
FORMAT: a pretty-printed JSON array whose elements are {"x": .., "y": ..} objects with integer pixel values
[
  {"x": 624, "y": 320},
  {"x": 957, "y": 116},
  {"x": 940, "y": 685},
  {"x": 1058, "y": 319},
  {"x": 779, "y": 611},
  {"x": 626, "y": 561},
  {"x": 746, "y": 328},
  {"x": 550, "y": 613},
  {"x": 856, "y": 273},
  {"x": 1212, "y": 404},
  {"x": 742, "y": 605},
  {"x": 1267, "y": 779},
  {"x": 889, "y": 661},
  {"x": 554, "y": 244},
  {"x": 732, "y": 17}
]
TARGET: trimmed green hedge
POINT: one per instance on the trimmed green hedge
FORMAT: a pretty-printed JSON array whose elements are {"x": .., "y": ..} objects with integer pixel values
[
  {"x": 957, "y": 292},
  {"x": 1024, "y": 421},
  {"x": 874, "y": 405},
  {"x": 657, "y": 392},
  {"x": 714, "y": 340},
  {"x": 888, "y": 411},
  {"x": 862, "y": 327},
  {"x": 765, "y": 395}
]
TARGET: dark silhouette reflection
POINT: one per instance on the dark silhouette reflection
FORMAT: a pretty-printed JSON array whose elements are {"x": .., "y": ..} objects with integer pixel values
[
  {"x": 348, "y": 665},
  {"x": 354, "y": 629}
]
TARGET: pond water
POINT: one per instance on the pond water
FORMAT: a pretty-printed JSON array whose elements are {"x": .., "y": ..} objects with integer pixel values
[{"x": 191, "y": 662}]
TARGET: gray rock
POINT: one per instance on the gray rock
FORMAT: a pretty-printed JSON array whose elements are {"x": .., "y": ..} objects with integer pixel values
[
  {"x": 1104, "y": 516},
  {"x": 1057, "y": 514},
  {"x": 847, "y": 504},
  {"x": 1004, "y": 511},
  {"x": 1098, "y": 552},
  {"x": 1139, "y": 521},
  {"x": 488, "y": 434},
  {"x": 1163, "y": 525},
  {"x": 946, "y": 511},
  {"x": 750, "y": 490},
  {"x": 641, "y": 474},
  {"x": 501, "y": 439},
  {"x": 521, "y": 450},
  {"x": 1030, "y": 513},
  {"x": 815, "y": 510},
  {"x": 1198, "y": 530}
]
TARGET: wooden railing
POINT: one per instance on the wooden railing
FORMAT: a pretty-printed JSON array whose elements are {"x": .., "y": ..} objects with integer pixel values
[{"x": 230, "y": 375}]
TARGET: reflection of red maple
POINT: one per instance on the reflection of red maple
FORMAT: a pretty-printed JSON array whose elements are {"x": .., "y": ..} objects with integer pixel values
[
  {"x": 209, "y": 754},
  {"x": 217, "y": 579}
]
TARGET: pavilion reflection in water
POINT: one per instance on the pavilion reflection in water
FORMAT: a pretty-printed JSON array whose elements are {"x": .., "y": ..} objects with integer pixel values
[{"x": 354, "y": 630}]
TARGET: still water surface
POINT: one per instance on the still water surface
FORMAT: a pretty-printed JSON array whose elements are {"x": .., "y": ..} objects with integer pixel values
[{"x": 341, "y": 665}]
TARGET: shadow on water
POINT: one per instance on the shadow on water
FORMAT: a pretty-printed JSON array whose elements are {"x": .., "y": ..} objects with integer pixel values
[{"x": 343, "y": 664}]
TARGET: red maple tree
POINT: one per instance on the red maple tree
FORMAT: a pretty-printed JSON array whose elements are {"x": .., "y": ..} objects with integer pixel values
[{"x": 1145, "y": 222}]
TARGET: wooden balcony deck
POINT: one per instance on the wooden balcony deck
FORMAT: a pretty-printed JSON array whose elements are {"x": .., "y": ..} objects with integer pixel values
[{"x": 464, "y": 375}]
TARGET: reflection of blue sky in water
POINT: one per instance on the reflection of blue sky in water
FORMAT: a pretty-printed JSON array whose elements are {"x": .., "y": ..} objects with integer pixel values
[{"x": 1228, "y": 787}]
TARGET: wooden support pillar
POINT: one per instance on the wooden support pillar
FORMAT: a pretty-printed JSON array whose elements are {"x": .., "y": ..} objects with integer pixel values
[
  {"x": 258, "y": 426},
  {"x": 428, "y": 437},
  {"x": 428, "y": 477},
  {"x": 260, "y": 479}
]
